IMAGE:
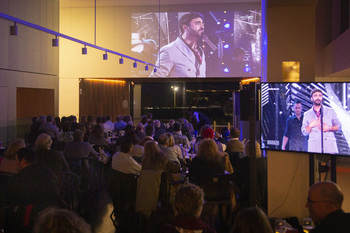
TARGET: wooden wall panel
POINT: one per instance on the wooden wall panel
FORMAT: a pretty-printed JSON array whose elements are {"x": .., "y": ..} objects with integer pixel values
[
  {"x": 101, "y": 98},
  {"x": 34, "y": 102}
]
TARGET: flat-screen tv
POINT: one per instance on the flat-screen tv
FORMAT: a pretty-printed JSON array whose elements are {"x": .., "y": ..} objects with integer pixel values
[
  {"x": 230, "y": 44},
  {"x": 306, "y": 117}
]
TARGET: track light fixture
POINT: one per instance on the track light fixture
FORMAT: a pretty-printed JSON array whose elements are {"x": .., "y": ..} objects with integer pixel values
[
  {"x": 135, "y": 64},
  {"x": 55, "y": 42},
  {"x": 146, "y": 67},
  {"x": 121, "y": 60},
  {"x": 105, "y": 56},
  {"x": 84, "y": 50},
  {"x": 13, "y": 30},
  {"x": 155, "y": 70}
]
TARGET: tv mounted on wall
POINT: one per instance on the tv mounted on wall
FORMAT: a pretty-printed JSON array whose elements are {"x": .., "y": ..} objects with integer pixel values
[{"x": 316, "y": 124}]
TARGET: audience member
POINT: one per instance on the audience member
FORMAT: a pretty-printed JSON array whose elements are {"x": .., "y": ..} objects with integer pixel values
[
  {"x": 252, "y": 220},
  {"x": 188, "y": 206},
  {"x": 163, "y": 142},
  {"x": 144, "y": 119},
  {"x": 97, "y": 137},
  {"x": 108, "y": 125},
  {"x": 137, "y": 150},
  {"x": 120, "y": 123},
  {"x": 200, "y": 121},
  {"x": 83, "y": 119},
  {"x": 9, "y": 163},
  {"x": 122, "y": 161},
  {"x": 242, "y": 177},
  {"x": 33, "y": 189},
  {"x": 149, "y": 189},
  {"x": 207, "y": 161},
  {"x": 171, "y": 145},
  {"x": 47, "y": 157},
  {"x": 171, "y": 126},
  {"x": 128, "y": 119},
  {"x": 225, "y": 135},
  {"x": 149, "y": 130},
  {"x": 324, "y": 202},
  {"x": 159, "y": 129},
  {"x": 178, "y": 137},
  {"x": 73, "y": 122},
  {"x": 51, "y": 129},
  {"x": 207, "y": 132},
  {"x": 78, "y": 148},
  {"x": 55, "y": 220},
  {"x": 66, "y": 135},
  {"x": 234, "y": 144},
  {"x": 140, "y": 132}
]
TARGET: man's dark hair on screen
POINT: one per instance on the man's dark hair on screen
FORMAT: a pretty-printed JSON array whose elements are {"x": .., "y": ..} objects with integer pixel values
[{"x": 187, "y": 18}]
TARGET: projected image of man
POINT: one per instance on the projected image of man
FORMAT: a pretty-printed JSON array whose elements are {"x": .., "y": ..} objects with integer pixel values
[
  {"x": 317, "y": 118},
  {"x": 183, "y": 57},
  {"x": 292, "y": 134}
]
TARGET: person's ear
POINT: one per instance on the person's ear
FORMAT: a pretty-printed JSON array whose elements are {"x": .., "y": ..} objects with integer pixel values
[{"x": 184, "y": 27}]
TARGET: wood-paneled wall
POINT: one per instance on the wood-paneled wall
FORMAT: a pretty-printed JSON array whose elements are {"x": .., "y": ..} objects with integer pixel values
[{"x": 103, "y": 97}]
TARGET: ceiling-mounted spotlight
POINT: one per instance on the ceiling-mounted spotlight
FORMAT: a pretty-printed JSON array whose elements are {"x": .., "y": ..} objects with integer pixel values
[
  {"x": 55, "y": 42},
  {"x": 105, "y": 56},
  {"x": 135, "y": 64},
  {"x": 84, "y": 50},
  {"x": 13, "y": 30},
  {"x": 146, "y": 67},
  {"x": 121, "y": 60},
  {"x": 155, "y": 70}
]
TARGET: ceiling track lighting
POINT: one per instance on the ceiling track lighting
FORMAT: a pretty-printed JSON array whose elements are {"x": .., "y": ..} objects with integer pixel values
[
  {"x": 121, "y": 60},
  {"x": 13, "y": 30},
  {"x": 105, "y": 56},
  {"x": 84, "y": 50},
  {"x": 55, "y": 42},
  {"x": 146, "y": 67},
  {"x": 155, "y": 70},
  {"x": 135, "y": 64}
]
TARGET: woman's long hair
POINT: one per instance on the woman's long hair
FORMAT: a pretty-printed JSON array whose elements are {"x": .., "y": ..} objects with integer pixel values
[
  {"x": 252, "y": 220},
  {"x": 154, "y": 158},
  {"x": 208, "y": 150}
]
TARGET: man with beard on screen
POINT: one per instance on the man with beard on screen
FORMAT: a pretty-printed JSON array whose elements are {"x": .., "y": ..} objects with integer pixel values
[
  {"x": 183, "y": 57},
  {"x": 313, "y": 120}
]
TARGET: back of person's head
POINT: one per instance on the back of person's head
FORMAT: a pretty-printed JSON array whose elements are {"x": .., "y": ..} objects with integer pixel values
[
  {"x": 149, "y": 115},
  {"x": 139, "y": 127},
  {"x": 177, "y": 126},
  {"x": 171, "y": 122},
  {"x": 149, "y": 131},
  {"x": 128, "y": 127},
  {"x": 225, "y": 132},
  {"x": 14, "y": 147},
  {"x": 252, "y": 220},
  {"x": 49, "y": 118},
  {"x": 208, "y": 133},
  {"x": 82, "y": 119},
  {"x": 163, "y": 139},
  {"x": 156, "y": 123},
  {"x": 66, "y": 127},
  {"x": 108, "y": 117},
  {"x": 144, "y": 119},
  {"x": 128, "y": 118},
  {"x": 98, "y": 120},
  {"x": 130, "y": 136},
  {"x": 153, "y": 158},
  {"x": 171, "y": 140},
  {"x": 187, "y": 18},
  {"x": 247, "y": 150},
  {"x": 103, "y": 120},
  {"x": 54, "y": 220},
  {"x": 97, "y": 131},
  {"x": 235, "y": 132},
  {"x": 90, "y": 119},
  {"x": 125, "y": 147},
  {"x": 73, "y": 118},
  {"x": 78, "y": 135},
  {"x": 329, "y": 191},
  {"x": 42, "y": 119},
  {"x": 208, "y": 150},
  {"x": 189, "y": 200},
  {"x": 26, "y": 154},
  {"x": 184, "y": 129},
  {"x": 43, "y": 141},
  {"x": 34, "y": 120}
]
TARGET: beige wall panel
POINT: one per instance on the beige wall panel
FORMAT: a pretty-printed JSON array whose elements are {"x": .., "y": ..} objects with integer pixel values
[{"x": 4, "y": 37}]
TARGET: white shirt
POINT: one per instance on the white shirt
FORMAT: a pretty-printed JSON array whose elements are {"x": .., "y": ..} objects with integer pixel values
[{"x": 125, "y": 163}]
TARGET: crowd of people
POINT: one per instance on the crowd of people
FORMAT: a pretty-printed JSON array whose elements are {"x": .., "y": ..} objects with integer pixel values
[{"x": 150, "y": 167}]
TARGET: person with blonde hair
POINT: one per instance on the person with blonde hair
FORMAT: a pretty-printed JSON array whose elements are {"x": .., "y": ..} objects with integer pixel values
[
  {"x": 149, "y": 187},
  {"x": 188, "y": 205},
  {"x": 47, "y": 157},
  {"x": 9, "y": 163},
  {"x": 207, "y": 161}
]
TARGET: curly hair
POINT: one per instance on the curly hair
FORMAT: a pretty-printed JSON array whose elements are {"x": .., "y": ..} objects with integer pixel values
[
  {"x": 153, "y": 158},
  {"x": 14, "y": 148},
  {"x": 208, "y": 150},
  {"x": 189, "y": 200},
  {"x": 171, "y": 140}
]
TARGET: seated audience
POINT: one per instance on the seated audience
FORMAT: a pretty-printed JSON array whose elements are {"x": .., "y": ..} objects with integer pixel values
[
  {"x": 33, "y": 189},
  {"x": 207, "y": 161},
  {"x": 163, "y": 142},
  {"x": 78, "y": 148},
  {"x": 108, "y": 125},
  {"x": 120, "y": 123},
  {"x": 47, "y": 157},
  {"x": 178, "y": 137},
  {"x": 51, "y": 129},
  {"x": 97, "y": 137},
  {"x": 188, "y": 206},
  {"x": 324, "y": 202},
  {"x": 159, "y": 129},
  {"x": 170, "y": 129},
  {"x": 144, "y": 119},
  {"x": 149, "y": 130},
  {"x": 241, "y": 177},
  {"x": 73, "y": 122},
  {"x": 252, "y": 220},
  {"x": 208, "y": 132},
  {"x": 149, "y": 188},
  {"x": 171, "y": 145},
  {"x": 137, "y": 150},
  {"x": 140, "y": 132},
  {"x": 9, "y": 163},
  {"x": 66, "y": 135},
  {"x": 234, "y": 144},
  {"x": 225, "y": 135},
  {"x": 122, "y": 161},
  {"x": 55, "y": 220},
  {"x": 128, "y": 119}
]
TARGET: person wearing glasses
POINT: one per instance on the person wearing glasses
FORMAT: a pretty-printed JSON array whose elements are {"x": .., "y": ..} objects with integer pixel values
[{"x": 324, "y": 202}]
